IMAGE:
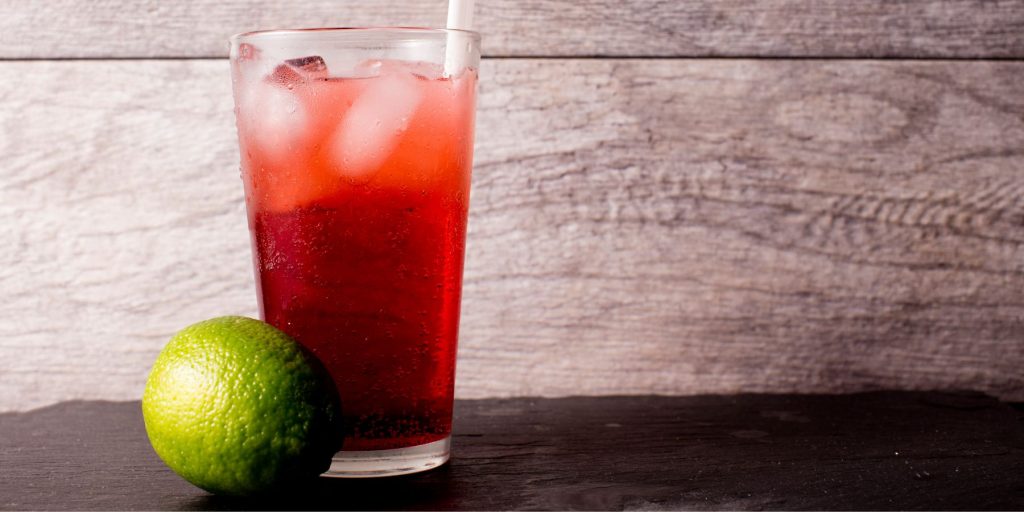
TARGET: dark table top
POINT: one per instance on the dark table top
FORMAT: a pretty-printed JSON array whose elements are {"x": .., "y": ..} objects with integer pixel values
[{"x": 883, "y": 450}]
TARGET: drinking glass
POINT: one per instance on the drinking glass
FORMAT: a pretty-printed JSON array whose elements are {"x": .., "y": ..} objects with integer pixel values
[{"x": 356, "y": 152}]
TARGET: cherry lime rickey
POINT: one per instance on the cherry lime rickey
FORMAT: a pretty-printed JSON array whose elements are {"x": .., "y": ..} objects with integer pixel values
[{"x": 356, "y": 150}]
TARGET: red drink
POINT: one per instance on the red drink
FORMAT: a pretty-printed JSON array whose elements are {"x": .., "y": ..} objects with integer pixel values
[{"x": 357, "y": 192}]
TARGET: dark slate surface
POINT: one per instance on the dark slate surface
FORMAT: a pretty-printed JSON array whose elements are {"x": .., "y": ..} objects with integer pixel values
[{"x": 884, "y": 450}]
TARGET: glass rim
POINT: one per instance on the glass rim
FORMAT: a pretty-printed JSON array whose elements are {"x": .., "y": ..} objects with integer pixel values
[{"x": 285, "y": 32}]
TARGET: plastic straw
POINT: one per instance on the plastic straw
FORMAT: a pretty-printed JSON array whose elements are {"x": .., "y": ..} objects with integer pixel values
[
  {"x": 460, "y": 14},
  {"x": 460, "y": 17}
]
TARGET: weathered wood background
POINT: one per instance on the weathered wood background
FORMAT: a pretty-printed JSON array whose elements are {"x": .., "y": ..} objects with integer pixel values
[{"x": 765, "y": 206}]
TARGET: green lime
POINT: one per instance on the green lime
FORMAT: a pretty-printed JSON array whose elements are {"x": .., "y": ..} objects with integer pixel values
[{"x": 235, "y": 406}]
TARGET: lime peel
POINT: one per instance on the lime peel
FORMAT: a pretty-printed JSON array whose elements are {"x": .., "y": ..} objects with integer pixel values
[{"x": 236, "y": 407}]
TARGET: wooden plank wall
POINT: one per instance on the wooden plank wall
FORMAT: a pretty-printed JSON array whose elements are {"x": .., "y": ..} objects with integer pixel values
[{"x": 792, "y": 195}]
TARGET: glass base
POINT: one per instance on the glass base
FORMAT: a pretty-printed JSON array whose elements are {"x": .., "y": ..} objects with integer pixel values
[{"x": 399, "y": 461}]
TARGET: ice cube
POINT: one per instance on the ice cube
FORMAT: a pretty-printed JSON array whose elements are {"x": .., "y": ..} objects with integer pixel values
[
  {"x": 427, "y": 70},
  {"x": 313, "y": 63},
  {"x": 246, "y": 68},
  {"x": 275, "y": 119},
  {"x": 372, "y": 127},
  {"x": 301, "y": 70},
  {"x": 375, "y": 67},
  {"x": 367, "y": 69}
]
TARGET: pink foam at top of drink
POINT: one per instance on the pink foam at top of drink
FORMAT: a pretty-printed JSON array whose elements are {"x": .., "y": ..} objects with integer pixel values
[{"x": 306, "y": 137}]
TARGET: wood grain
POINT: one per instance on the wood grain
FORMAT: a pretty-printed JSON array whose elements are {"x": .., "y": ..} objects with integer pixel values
[
  {"x": 877, "y": 451},
  {"x": 775, "y": 28},
  {"x": 637, "y": 226}
]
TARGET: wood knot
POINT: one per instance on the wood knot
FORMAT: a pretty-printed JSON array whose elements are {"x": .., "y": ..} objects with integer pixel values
[{"x": 840, "y": 117}]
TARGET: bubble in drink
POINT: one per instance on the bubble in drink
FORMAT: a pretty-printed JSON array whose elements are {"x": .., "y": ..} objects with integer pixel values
[{"x": 371, "y": 129}]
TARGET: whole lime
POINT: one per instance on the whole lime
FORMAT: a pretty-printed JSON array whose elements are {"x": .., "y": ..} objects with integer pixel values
[{"x": 235, "y": 406}]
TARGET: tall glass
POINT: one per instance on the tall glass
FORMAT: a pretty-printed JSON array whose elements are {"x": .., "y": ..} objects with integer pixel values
[{"x": 356, "y": 152}]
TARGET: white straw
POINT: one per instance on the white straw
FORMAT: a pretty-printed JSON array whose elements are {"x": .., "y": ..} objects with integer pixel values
[
  {"x": 460, "y": 17},
  {"x": 460, "y": 14}
]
